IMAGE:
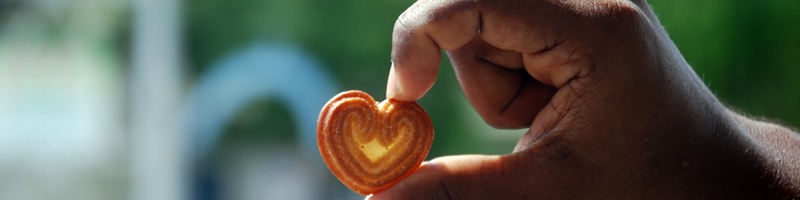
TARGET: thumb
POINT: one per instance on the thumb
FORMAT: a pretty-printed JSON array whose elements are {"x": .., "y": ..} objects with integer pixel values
[{"x": 512, "y": 176}]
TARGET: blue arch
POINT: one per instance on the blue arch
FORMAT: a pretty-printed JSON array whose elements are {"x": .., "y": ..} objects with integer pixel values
[{"x": 278, "y": 71}]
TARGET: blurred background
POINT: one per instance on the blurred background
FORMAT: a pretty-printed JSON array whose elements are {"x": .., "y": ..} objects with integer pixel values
[{"x": 218, "y": 99}]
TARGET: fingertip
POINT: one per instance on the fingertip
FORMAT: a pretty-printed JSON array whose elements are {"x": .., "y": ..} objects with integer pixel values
[
  {"x": 419, "y": 35},
  {"x": 440, "y": 177},
  {"x": 409, "y": 84},
  {"x": 411, "y": 186},
  {"x": 393, "y": 89}
]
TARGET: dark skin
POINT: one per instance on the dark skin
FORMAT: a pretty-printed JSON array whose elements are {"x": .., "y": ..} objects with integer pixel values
[{"x": 613, "y": 109}]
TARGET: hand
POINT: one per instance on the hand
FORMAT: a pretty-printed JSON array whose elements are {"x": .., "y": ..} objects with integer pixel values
[{"x": 613, "y": 109}]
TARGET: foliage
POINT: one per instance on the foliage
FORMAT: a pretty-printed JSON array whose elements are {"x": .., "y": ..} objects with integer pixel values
[{"x": 746, "y": 51}]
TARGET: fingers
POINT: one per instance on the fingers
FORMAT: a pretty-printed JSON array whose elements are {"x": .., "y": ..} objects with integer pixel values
[
  {"x": 460, "y": 177},
  {"x": 420, "y": 34},
  {"x": 496, "y": 85},
  {"x": 544, "y": 174},
  {"x": 428, "y": 27},
  {"x": 525, "y": 26}
]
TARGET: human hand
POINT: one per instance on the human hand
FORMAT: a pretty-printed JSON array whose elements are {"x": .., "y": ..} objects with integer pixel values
[{"x": 613, "y": 109}]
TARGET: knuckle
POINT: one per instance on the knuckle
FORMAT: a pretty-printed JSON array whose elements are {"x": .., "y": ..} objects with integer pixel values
[
  {"x": 621, "y": 12},
  {"x": 444, "y": 191},
  {"x": 405, "y": 22},
  {"x": 502, "y": 120},
  {"x": 609, "y": 11}
]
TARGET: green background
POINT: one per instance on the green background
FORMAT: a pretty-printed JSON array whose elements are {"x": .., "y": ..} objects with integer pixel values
[{"x": 747, "y": 52}]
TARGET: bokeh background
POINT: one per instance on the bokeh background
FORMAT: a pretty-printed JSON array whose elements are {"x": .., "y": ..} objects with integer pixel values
[{"x": 218, "y": 99}]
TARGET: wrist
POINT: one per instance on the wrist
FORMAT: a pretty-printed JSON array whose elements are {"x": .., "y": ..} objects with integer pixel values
[
  {"x": 777, "y": 148},
  {"x": 727, "y": 156}
]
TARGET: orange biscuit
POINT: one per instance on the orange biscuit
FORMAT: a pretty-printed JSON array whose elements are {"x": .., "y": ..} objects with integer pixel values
[{"x": 370, "y": 146}]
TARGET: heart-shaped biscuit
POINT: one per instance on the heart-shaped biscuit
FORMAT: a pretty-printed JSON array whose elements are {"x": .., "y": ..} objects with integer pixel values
[{"x": 370, "y": 146}]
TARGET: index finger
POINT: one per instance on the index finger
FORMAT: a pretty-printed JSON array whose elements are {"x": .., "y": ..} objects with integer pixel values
[{"x": 420, "y": 33}]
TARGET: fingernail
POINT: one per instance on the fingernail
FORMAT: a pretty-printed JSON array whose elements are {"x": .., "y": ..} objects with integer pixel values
[
  {"x": 379, "y": 196},
  {"x": 392, "y": 86}
]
